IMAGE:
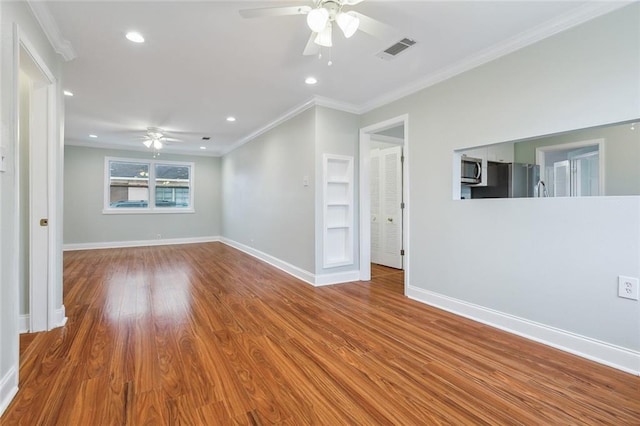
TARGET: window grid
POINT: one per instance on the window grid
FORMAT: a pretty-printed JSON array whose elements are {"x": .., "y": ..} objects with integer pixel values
[{"x": 148, "y": 186}]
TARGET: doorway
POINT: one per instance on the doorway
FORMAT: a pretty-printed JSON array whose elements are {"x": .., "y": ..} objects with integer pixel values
[
  {"x": 38, "y": 154},
  {"x": 384, "y": 219},
  {"x": 385, "y": 184}
]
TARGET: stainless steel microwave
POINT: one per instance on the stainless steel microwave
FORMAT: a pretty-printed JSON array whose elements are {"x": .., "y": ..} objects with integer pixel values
[{"x": 471, "y": 170}]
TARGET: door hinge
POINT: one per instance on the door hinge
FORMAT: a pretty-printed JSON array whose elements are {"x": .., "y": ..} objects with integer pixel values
[
  {"x": 402, "y": 159},
  {"x": 402, "y": 205},
  {"x": 401, "y": 252}
]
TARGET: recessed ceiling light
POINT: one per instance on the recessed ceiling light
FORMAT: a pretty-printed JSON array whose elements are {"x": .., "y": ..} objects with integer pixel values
[
  {"x": 311, "y": 80},
  {"x": 203, "y": 147},
  {"x": 231, "y": 119},
  {"x": 68, "y": 93},
  {"x": 135, "y": 37},
  {"x": 93, "y": 136}
]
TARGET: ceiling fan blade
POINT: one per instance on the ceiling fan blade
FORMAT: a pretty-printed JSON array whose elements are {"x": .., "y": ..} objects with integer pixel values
[
  {"x": 376, "y": 28},
  {"x": 311, "y": 48},
  {"x": 274, "y": 11}
]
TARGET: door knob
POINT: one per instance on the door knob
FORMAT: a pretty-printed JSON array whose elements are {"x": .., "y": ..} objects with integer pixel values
[
  {"x": 44, "y": 222},
  {"x": 389, "y": 219}
]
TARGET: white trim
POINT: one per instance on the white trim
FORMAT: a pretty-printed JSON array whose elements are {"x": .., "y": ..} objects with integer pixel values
[
  {"x": 23, "y": 323},
  {"x": 313, "y": 102},
  {"x": 141, "y": 148},
  {"x": 349, "y": 206},
  {"x": 283, "y": 118},
  {"x": 139, "y": 243},
  {"x": 365, "y": 195},
  {"x": 601, "y": 352},
  {"x": 336, "y": 278},
  {"x": 8, "y": 388},
  {"x": 337, "y": 105},
  {"x": 301, "y": 274},
  {"x": 37, "y": 296},
  {"x": 387, "y": 139},
  {"x": 48, "y": 24},
  {"x": 60, "y": 317},
  {"x": 585, "y": 13},
  {"x": 151, "y": 187}
]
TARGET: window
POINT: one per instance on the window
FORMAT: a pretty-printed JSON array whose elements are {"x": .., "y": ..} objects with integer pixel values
[{"x": 135, "y": 186}]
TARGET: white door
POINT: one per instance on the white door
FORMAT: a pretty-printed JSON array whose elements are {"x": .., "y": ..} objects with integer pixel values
[
  {"x": 386, "y": 207},
  {"x": 37, "y": 166},
  {"x": 38, "y": 207}
]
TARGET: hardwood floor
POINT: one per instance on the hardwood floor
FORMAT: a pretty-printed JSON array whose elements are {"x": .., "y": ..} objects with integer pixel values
[{"x": 203, "y": 335}]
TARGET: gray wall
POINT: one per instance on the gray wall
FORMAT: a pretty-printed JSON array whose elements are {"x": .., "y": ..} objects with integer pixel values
[
  {"x": 336, "y": 133},
  {"x": 85, "y": 223},
  {"x": 552, "y": 261},
  {"x": 621, "y": 154},
  {"x": 266, "y": 206}
]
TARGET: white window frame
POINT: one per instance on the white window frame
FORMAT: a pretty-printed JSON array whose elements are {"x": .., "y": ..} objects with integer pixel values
[{"x": 151, "y": 207}]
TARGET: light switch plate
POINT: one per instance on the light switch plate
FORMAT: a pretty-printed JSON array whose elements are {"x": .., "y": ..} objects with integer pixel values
[{"x": 628, "y": 287}]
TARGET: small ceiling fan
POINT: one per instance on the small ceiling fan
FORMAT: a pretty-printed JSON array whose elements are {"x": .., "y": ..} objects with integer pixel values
[
  {"x": 155, "y": 138},
  {"x": 321, "y": 19}
]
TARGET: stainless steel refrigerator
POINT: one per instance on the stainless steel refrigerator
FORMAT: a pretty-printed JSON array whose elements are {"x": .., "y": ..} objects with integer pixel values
[{"x": 508, "y": 180}]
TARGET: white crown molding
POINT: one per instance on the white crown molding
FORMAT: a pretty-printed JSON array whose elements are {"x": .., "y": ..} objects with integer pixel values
[
  {"x": 554, "y": 26},
  {"x": 313, "y": 102},
  {"x": 141, "y": 148},
  {"x": 52, "y": 31},
  {"x": 337, "y": 105},
  {"x": 262, "y": 130}
]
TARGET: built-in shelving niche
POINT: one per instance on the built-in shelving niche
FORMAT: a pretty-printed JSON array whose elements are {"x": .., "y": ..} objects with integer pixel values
[{"x": 337, "y": 210}]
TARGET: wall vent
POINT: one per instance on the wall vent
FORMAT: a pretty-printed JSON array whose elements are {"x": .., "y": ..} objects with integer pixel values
[{"x": 397, "y": 48}]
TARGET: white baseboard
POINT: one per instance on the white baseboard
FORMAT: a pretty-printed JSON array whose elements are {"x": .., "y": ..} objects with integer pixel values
[
  {"x": 337, "y": 278},
  {"x": 140, "y": 243},
  {"x": 604, "y": 353},
  {"x": 59, "y": 320},
  {"x": 60, "y": 317},
  {"x": 24, "y": 323},
  {"x": 8, "y": 388},
  {"x": 306, "y": 276}
]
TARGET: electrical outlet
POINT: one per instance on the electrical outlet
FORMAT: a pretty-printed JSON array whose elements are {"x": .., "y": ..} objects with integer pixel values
[{"x": 628, "y": 287}]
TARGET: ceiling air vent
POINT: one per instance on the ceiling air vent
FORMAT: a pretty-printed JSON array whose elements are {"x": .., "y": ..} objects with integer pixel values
[{"x": 394, "y": 50}]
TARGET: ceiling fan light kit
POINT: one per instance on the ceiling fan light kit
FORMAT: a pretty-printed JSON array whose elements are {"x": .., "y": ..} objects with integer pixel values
[
  {"x": 154, "y": 135},
  {"x": 348, "y": 23},
  {"x": 322, "y": 16},
  {"x": 324, "y": 38},
  {"x": 318, "y": 19}
]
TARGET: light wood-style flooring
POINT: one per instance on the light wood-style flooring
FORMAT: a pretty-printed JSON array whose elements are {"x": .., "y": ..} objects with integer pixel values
[{"x": 203, "y": 334}]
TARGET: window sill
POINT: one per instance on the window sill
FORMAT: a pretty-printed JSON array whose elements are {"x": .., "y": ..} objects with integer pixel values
[{"x": 132, "y": 210}]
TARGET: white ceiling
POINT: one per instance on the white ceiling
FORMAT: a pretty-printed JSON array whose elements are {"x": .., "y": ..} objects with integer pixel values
[{"x": 202, "y": 62}]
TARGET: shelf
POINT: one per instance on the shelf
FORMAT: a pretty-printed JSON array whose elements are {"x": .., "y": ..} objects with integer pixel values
[{"x": 337, "y": 211}]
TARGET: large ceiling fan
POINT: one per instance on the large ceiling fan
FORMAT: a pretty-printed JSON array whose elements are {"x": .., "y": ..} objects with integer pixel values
[{"x": 321, "y": 19}]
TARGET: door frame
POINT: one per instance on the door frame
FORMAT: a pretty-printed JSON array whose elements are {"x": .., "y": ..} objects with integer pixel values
[
  {"x": 365, "y": 196},
  {"x": 41, "y": 295}
]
